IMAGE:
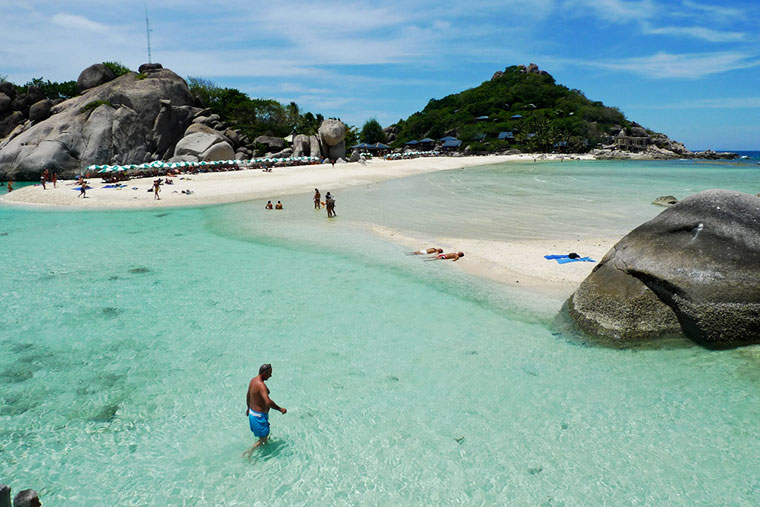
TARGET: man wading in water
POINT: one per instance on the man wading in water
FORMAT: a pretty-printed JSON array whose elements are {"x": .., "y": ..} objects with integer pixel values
[{"x": 259, "y": 403}]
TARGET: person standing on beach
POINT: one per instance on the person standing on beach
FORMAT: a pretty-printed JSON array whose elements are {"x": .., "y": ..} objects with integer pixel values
[
  {"x": 55, "y": 179},
  {"x": 258, "y": 404},
  {"x": 330, "y": 205},
  {"x": 82, "y": 188},
  {"x": 10, "y": 186},
  {"x": 317, "y": 199},
  {"x": 156, "y": 188},
  {"x": 43, "y": 179}
]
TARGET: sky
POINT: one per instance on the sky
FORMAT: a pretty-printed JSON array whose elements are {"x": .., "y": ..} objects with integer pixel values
[{"x": 689, "y": 69}]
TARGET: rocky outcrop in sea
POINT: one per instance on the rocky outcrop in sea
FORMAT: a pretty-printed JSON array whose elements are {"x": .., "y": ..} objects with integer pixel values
[{"x": 693, "y": 269}]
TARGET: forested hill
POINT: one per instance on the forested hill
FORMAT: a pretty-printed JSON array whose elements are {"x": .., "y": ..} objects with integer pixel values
[{"x": 526, "y": 103}]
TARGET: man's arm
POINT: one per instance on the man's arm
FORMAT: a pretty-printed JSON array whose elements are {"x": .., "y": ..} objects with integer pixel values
[{"x": 269, "y": 401}]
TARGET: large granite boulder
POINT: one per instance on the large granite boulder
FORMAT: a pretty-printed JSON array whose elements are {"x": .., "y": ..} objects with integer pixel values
[
  {"x": 7, "y": 88},
  {"x": 40, "y": 110},
  {"x": 337, "y": 151},
  {"x": 332, "y": 132},
  {"x": 8, "y": 123},
  {"x": 219, "y": 151},
  {"x": 112, "y": 123},
  {"x": 301, "y": 146},
  {"x": 692, "y": 269},
  {"x": 5, "y": 102},
  {"x": 196, "y": 143},
  {"x": 315, "y": 149},
  {"x": 273, "y": 143},
  {"x": 93, "y": 76}
]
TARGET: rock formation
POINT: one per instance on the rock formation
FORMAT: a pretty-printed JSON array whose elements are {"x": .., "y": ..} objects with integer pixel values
[
  {"x": 331, "y": 135},
  {"x": 128, "y": 120},
  {"x": 693, "y": 269},
  {"x": 93, "y": 76}
]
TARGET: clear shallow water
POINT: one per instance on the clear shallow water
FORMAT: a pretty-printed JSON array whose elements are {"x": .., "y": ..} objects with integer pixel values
[{"x": 129, "y": 338}]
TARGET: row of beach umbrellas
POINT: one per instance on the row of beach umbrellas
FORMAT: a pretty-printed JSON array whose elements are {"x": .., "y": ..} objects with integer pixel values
[
  {"x": 376, "y": 146},
  {"x": 180, "y": 165}
]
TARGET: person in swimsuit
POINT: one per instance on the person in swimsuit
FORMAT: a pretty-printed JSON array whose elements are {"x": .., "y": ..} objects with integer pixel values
[
  {"x": 447, "y": 256},
  {"x": 82, "y": 188},
  {"x": 269, "y": 205},
  {"x": 156, "y": 188},
  {"x": 258, "y": 404},
  {"x": 278, "y": 205},
  {"x": 427, "y": 251},
  {"x": 317, "y": 197}
]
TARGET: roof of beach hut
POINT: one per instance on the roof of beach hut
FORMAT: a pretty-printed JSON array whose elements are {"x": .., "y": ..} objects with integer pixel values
[
  {"x": 380, "y": 146},
  {"x": 412, "y": 143},
  {"x": 447, "y": 138},
  {"x": 480, "y": 118},
  {"x": 427, "y": 140},
  {"x": 452, "y": 143},
  {"x": 516, "y": 117},
  {"x": 506, "y": 135}
]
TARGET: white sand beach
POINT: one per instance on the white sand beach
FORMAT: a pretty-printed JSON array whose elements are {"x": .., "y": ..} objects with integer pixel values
[{"x": 519, "y": 263}]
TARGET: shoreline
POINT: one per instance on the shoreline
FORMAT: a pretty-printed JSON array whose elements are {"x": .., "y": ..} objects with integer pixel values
[
  {"x": 247, "y": 184},
  {"x": 519, "y": 264}
]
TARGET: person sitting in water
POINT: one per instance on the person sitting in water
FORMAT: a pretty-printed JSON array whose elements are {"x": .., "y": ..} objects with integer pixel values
[
  {"x": 269, "y": 205},
  {"x": 278, "y": 205},
  {"x": 454, "y": 256},
  {"x": 427, "y": 251}
]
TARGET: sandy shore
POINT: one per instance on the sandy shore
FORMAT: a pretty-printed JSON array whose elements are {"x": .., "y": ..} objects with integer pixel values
[
  {"x": 244, "y": 185},
  {"x": 518, "y": 263}
]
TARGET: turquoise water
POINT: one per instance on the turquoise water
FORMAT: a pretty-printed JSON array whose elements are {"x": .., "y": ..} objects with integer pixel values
[{"x": 129, "y": 338}]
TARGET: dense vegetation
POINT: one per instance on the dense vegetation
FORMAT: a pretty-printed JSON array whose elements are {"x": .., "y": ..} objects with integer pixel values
[
  {"x": 542, "y": 115},
  {"x": 254, "y": 117},
  {"x": 372, "y": 132}
]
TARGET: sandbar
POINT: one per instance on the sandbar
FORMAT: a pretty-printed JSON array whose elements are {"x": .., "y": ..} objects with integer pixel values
[{"x": 517, "y": 263}]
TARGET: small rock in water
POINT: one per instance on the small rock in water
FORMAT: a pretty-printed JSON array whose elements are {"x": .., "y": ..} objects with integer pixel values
[
  {"x": 392, "y": 378},
  {"x": 27, "y": 498},
  {"x": 472, "y": 352},
  {"x": 3, "y": 233},
  {"x": 535, "y": 470},
  {"x": 139, "y": 270},
  {"x": 459, "y": 440},
  {"x": 564, "y": 425},
  {"x": 530, "y": 371}
]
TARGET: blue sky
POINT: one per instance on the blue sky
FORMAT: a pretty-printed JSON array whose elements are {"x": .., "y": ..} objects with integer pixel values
[{"x": 690, "y": 69}]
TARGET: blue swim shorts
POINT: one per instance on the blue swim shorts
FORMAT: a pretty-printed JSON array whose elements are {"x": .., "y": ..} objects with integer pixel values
[{"x": 259, "y": 423}]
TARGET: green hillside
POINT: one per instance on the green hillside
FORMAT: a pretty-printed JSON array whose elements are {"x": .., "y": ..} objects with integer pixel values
[{"x": 540, "y": 114}]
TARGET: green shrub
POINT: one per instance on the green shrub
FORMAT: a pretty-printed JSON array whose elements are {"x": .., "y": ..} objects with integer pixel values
[
  {"x": 141, "y": 76},
  {"x": 117, "y": 68},
  {"x": 91, "y": 106}
]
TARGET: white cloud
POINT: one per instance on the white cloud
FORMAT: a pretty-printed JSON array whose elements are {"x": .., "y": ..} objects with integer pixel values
[
  {"x": 76, "y": 22},
  {"x": 697, "y": 32},
  {"x": 715, "y": 10},
  {"x": 615, "y": 11},
  {"x": 665, "y": 65}
]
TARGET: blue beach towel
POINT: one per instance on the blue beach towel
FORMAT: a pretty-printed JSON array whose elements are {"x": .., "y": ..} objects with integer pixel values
[
  {"x": 564, "y": 259},
  {"x": 79, "y": 189}
]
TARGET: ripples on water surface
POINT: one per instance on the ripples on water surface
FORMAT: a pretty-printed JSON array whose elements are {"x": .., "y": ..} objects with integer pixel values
[{"x": 129, "y": 338}]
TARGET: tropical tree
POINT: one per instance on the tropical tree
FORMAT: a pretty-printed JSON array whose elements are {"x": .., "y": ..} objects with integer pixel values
[{"x": 372, "y": 132}]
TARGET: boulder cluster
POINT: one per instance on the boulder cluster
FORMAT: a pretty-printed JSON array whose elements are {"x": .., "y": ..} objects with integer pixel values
[
  {"x": 131, "y": 119},
  {"x": 692, "y": 270}
]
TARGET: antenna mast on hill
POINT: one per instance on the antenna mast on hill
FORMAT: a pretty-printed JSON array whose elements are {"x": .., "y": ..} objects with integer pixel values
[{"x": 147, "y": 31}]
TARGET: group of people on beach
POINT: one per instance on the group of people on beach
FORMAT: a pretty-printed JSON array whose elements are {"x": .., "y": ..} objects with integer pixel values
[
  {"x": 276, "y": 206},
  {"x": 437, "y": 254},
  {"x": 329, "y": 203},
  {"x": 45, "y": 177}
]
